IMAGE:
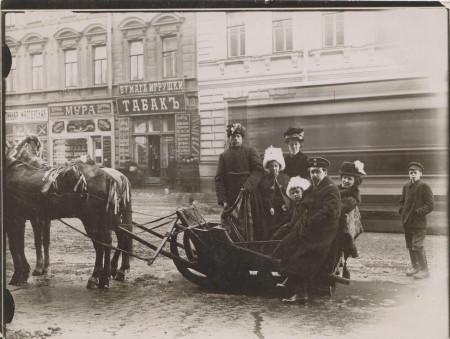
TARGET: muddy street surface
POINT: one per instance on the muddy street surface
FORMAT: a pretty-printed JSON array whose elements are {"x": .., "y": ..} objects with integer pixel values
[{"x": 157, "y": 302}]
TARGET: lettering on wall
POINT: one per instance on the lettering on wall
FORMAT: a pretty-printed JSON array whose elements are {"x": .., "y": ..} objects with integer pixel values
[
  {"x": 154, "y": 104},
  {"x": 152, "y": 87},
  {"x": 195, "y": 136},
  {"x": 182, "y": 134},
  {"x": 124, "y": 140},
  {"x": 26, "y": 115},
  {"x": 81, "y": 109}
]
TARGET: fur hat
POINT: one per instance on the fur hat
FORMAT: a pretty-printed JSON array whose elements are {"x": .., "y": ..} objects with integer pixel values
[
  {"x": 235, "y": 128},
  {"x": 354, "y": 169},
  {"x": 304, "y": 184},
  {"x": 294, "y": 133},
  {"x": 276, "y": 154}
]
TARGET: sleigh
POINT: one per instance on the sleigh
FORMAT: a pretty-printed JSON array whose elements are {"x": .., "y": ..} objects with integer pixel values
[{"x": 207, "y": 254}]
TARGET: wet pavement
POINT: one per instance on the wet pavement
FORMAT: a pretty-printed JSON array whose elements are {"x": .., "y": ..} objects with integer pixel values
[{"x": 157, "y": 302}]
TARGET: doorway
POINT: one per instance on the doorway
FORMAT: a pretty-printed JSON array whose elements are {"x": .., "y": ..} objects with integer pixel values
[{"x": 154, "y": 159}]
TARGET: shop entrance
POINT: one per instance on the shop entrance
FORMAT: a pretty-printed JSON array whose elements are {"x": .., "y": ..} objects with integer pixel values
[{"x": 152, "y": 154}]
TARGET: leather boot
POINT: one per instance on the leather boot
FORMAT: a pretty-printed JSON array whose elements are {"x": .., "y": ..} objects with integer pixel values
[
  {"x": 422, "y": 259},
  {"x": 301, "y": 296},
  {"x": 414, "y": 264}
]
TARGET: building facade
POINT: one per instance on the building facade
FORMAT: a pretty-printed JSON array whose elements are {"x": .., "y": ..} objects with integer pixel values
[
  {"x": 112, "y": 86},
  {"x": 368, "y": 86}
]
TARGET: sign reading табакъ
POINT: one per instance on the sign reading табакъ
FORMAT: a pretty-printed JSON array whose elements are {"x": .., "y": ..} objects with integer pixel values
[
  {"x": 152, "y": 87},
  {"x": 154, "y": 104},
  {"x": 81, "y": 109}
]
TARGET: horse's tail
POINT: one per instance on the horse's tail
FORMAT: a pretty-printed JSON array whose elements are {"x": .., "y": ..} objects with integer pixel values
[{"x": 127, "y": 214}]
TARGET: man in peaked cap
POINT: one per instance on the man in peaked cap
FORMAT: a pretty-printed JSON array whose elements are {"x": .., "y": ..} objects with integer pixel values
[
  {"x": 296, "y": 161},
  {"x": 416, "y": 202},
  {"x": 320, "y": 224},
  {"x": 240, "y": 169}
]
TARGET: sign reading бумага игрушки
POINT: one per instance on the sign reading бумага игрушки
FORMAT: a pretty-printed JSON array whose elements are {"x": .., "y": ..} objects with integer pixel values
[{"x": 152, "y": 87}]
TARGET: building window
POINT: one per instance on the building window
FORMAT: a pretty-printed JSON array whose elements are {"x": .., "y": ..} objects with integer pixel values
[
  {"x": 100, "y": 65},
  {"x": 37, "y": 71},
  {"x": 137, "y": 60},
  {"x": 10, "y": 19},
  {"x": 170, "y": 46},
  {"x": 71, "y": 67},
  {"x": 282, "y": 35},
  {"x": 11, "y": 81},
  {"x": 333, "y": 30},
  {"x": 236, "y": 34}
]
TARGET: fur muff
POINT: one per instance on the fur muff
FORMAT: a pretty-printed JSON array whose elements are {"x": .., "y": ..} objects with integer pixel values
[
  {"x": 272, "y": 154},
  {"x": 304, "y": 184}
]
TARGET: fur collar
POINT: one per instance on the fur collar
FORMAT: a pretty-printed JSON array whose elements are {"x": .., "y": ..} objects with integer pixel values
[{"x": 350, "y": 192}]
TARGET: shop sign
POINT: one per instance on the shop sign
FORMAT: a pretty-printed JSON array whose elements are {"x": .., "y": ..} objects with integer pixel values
[
  {"x": 81, "y": 109},
  {"x": 124, "y": 140},
  {"x": 195, "y": 136},
  {"x": 42, "y": 130},
  {"x": 104, "y": 125},
  {"x": 182, "y": 134},
  {"x": 80, "y": 126},
  {"x": 58, "y": 127},
  {"x": 154, "y": 104},
  {"x": 26, "y": 115},
  {"x": 152, "y": 87}
]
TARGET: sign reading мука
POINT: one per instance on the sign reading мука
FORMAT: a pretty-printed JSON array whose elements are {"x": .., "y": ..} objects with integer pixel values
[
  {"x": 152, "y": 87},
  {"x": 81, "y": 109},
  {"x": 154, "y": 104}
]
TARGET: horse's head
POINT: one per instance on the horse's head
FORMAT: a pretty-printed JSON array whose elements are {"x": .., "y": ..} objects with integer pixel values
[{"x": 29, "y": 150}]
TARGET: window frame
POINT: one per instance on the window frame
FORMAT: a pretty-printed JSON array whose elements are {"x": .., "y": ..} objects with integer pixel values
[
  {"x": 74, "y": 82},
  {"x": 174, "y": 57},
  {"x": 102, "y": 62},
  {"x": 40, "y": 72},
  {"x": 334, "y": 22},
  {"x": 239, "y": 42},
  {"x": 130, "y": 56},
  {"x": 10, "y": 19},
  {"x": 285, "y": 35}
]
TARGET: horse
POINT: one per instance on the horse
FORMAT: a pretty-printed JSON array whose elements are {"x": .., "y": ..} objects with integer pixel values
[{"x": 35, "y": 190}]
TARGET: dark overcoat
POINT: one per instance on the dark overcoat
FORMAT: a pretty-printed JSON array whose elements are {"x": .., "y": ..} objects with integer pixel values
[
  {"x": 273, "y": 195},
  {"x": 241, "y": 167},
  {"x": 296, "y": 165},
  {"x": 416, "y": 202},
  {"x": 313, "y": 232}
]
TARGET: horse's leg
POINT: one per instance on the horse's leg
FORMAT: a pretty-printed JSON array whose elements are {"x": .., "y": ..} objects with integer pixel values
[
  {"x": 46, "y": 223},
  {"x": 115, "y": 258},
  {"x": 38, "y": 233},
  {"x": 106, "y": 271},
  {"x": 16, "y": 238},
  {"x": 126, "y": 243}
]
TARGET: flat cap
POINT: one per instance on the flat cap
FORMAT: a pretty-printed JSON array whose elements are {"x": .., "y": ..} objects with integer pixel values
[{"x": 415, "y": 165}]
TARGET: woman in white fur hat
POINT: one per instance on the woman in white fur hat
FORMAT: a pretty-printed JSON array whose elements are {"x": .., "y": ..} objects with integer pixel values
[{"x": 272, "y": 188}]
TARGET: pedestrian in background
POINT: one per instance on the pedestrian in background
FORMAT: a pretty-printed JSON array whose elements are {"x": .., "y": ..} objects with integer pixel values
[
  {"x": 296, "y": 161},
  {"x": 416, "y": 202},
  {"x": 89, "y": 160},
  {"x": 172, "y": 169}
]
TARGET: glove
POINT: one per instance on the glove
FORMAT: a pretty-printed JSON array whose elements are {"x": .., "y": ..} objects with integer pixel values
[
  {"x": 272, "y": 211},
  {"x": 284, "y": 207},
  {"x": 245, "y": 190}
]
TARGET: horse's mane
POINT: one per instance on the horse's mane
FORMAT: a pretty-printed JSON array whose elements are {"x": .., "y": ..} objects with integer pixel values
[{"x": 19, "y": 153}]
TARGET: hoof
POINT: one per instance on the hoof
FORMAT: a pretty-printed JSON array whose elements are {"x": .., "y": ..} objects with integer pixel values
[
  {"x": 113, "y": 272},
  {"x": 17, "y": 281},
  {"x": 120, "y": 276},
  {"x": 92, "y": 283},
  {"x": 37, "y": 273}
]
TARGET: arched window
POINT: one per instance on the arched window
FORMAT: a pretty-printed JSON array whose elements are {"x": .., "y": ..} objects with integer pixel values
[
  {"x": 35, "y": 60},
  {"x": 98, "y": 66},
  {"x": 69, "y": 52}
]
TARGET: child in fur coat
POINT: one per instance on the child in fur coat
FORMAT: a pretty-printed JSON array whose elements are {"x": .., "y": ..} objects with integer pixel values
[{"x": 272, "y": 188}]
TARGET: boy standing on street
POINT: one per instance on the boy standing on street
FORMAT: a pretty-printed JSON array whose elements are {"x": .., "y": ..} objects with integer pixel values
[{"x": 416, "y": 202}]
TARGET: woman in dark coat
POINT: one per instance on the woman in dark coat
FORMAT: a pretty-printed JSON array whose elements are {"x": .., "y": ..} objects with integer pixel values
[
  {"x": 273, "y": 191},
  {"x": 296, "y": 161},
  {"x": 240, "y": 169}
]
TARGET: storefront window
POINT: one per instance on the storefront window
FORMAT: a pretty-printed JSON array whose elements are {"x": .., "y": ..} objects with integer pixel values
[
  {"x": 9, "y": 130},
  {"x": 155, "y": 124},
  {"x": 140, "y": 150},
  {"x": 140, "y": 125},
  {"x": 67, "y": 150}
]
